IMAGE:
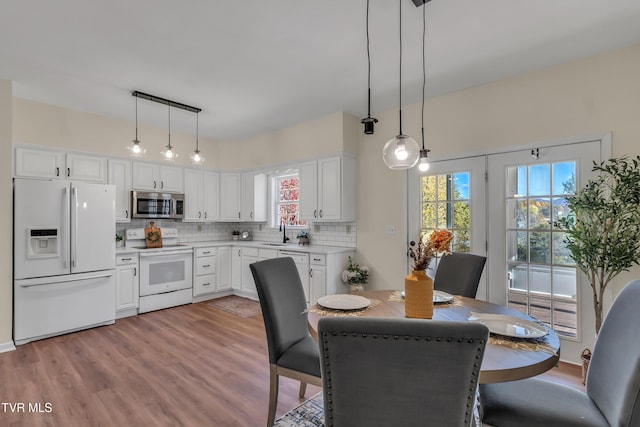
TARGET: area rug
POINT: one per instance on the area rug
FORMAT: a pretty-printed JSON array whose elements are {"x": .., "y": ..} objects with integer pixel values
[
  {"x": 309, "y": 413},
  {"x": 239, "y": 306}
]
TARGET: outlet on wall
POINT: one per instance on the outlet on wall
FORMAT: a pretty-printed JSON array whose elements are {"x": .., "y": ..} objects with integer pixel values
[{"x": 391, "y": 229}]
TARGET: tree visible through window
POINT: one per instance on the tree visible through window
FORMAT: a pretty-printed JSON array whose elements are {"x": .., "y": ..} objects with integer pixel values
[
  {"x": 445, "y": 204},
  {"x": 288, "y": 201}
]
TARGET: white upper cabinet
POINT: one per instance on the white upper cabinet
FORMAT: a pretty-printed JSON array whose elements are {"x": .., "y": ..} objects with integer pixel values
[
  {"x": 34, "y": 163},
  {"x": 243, "y": 197},
  {"x": 201, "y": 194},
  {"x": 120, "y": 176},
  {"x": 230, "y": 196},
  {"x": 151, "y": 177},
  {"x": 328, "y": 189}
]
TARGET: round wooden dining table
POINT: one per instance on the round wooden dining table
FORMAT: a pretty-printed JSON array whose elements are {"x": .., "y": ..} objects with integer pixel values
[{"x": 505, "y": 359}]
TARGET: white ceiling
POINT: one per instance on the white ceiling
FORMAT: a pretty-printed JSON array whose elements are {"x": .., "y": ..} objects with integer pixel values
[{"x": 254, "y": 66}]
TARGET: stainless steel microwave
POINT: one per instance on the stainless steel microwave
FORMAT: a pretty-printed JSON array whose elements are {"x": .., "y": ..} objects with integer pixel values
[{"x": 157, "y": 205}]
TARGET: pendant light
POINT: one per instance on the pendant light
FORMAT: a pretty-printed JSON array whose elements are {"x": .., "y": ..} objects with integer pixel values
[
  {"x": 135, "y": 150},
  {"x": 196, "y": 157},
  {"x": 423, "y": 165},
  {"x": 368, "y": 121},
  {"x": 169, "y": 154},
  {"x": 401, "y": 151}
]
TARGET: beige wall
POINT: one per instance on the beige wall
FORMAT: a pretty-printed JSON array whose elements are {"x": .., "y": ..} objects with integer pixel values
[
  {"x": 6, "y": 218},
  {"x": 586, "y": 97},
  {"x": 50, "y": 125},
  {"x": 315, "y": 138}
]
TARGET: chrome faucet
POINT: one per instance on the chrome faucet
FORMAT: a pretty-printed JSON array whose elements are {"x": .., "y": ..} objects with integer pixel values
[{"x": 283, "y": 228}]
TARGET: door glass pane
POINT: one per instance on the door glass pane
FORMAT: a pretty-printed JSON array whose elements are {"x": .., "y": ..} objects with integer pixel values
[
  {"x": 446, "y": 204},
  {"x": 542, "y": 276}
]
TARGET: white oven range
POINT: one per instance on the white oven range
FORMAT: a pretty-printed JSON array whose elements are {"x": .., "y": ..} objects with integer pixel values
[{"x": 166, "y": 278}]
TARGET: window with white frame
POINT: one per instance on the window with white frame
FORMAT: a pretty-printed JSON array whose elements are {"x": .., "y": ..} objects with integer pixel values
[{"x": 287, "y": 200}]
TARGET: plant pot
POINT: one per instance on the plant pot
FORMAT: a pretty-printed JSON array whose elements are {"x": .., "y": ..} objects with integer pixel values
[
  {"x": 418, "y": 295},
  {"x": 354, "y": 288},
  {"x": 586, "y": 358},
  {"x": 303, "y": 240}
]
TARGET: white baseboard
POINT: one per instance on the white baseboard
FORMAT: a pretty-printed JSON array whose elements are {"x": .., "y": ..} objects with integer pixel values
[{"x": 7, "y": 346}]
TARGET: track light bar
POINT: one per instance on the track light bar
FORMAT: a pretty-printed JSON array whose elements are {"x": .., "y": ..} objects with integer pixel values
[{"x": 168, "y": 102}]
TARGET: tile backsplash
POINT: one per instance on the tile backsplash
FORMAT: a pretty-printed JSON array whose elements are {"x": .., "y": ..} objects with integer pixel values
[{"x": 328, "y": 234}]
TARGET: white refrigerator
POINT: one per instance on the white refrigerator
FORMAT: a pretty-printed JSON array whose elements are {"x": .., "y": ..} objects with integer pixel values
[{"x": 64, "y": 257}]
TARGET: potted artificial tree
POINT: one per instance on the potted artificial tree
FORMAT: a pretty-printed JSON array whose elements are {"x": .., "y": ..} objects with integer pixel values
[{"x": 603, "y": 227}]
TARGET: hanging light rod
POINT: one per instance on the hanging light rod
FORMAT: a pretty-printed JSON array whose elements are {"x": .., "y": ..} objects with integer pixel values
[
  {"x": 165, "y": 101},
  {"x": 419, "y": 3}
]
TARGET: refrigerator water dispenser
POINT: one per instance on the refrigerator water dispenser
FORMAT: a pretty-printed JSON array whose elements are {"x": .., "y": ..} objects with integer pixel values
[{"x": 42, "y": 242}]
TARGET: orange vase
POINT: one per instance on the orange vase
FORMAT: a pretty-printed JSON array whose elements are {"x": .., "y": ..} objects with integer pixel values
[{"x": 418, "y": 295}]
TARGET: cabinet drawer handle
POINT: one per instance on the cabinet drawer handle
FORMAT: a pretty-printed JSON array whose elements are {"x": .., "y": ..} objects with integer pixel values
[
  {"x": 199, "y": 214},
  {"x": 238, "y": 214},
  {"x": 126, "y": 213},
  {"x": 206, "y": 252},
  {"x": 68, "y": 172},
  {"x": 135, "y": 271},
  {"x": 57, "y": 171},
  {"x": 251, "y": 215},
  {"x": 206, "y": 266},
  {"x": 154, "y": 185},
  {"x": 320, "y": 213},
  {"x": 311, "y": 272},
  {"x": 205, "y": 214},
  {"x": 126, "y": 259},
  {"x": 162, "y": 185},
  {"x": 316, "y": 259},
  {"x": 206, "y": 284}
]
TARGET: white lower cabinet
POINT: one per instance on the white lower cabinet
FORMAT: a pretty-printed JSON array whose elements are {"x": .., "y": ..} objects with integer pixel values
[
  {"x": 302, "y": 264},
  {"x": 249, "y": 256},
  {"x": 205, "y": 266},
  {"x": 317, "y": 277},
  {"x": 127, "y": 284},
  {"x": 224, "y": 268}
]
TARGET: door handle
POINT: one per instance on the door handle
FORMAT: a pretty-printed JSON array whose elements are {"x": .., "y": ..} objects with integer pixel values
[
  {"x": 68, "y": 172},
  {"x": 162, "y": 185},
  {"x": 205, "y": 214},
  {"x": 315, "y": 213},
  {"x": 199, "y": 214},
  {"x": 320, "y": 213},
  {"x": 135, "y": 271},
  {"x": 126, "y": 213},
  {"x": 154, "y": 185},
  {"x": 57, "y": 171}
]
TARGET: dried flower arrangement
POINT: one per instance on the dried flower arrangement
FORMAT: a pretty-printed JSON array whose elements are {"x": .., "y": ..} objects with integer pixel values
[{"x": 438, "y": 242}]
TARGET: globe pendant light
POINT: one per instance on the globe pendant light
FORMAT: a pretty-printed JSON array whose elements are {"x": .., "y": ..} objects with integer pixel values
[
  {"x": 196, "y": 157},
  {"x": 135, "y": 150},
  {"x": 168, "y": 153},
  {"x": 423, "y": 166},
  {"x": 401, "y": 151}
]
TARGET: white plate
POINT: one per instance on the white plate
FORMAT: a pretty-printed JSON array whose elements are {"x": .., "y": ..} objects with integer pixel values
[
  {"x": 509, "y": 326},
  {"x": 438, "y": 296},
  {"x": 344, "y": 302}
]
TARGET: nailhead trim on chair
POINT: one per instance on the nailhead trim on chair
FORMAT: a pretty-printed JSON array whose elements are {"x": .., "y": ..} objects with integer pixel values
[{"x": 471, "y": 396}]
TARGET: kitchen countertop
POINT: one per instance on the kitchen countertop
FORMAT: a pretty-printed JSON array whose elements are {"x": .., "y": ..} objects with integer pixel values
[{"x": 292, "y": 247}]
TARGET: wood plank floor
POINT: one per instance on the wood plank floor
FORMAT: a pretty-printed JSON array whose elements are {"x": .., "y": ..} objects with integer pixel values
[{"x": 193, "y": 365}]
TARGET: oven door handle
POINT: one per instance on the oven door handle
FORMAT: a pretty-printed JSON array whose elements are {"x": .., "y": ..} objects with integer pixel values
[{"x": 166, "y": 253}]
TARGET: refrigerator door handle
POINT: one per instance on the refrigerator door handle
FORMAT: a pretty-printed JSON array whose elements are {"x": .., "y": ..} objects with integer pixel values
[
  {"x": 31, "y": 283},
  {"x": 65, "y": 240},
  {"x": 74, "y": 227}
]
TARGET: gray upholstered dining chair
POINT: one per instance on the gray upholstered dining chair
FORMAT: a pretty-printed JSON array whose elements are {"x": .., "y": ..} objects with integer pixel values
[
  {"x": 612, "y": 391},
  {"x": 459, "y": 274},
  {"x": 293, "y": 352},
  {"x": 399, "y": 372}
]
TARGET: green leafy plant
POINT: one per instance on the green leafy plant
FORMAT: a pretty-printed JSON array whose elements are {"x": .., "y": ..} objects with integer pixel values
[
  {"x": 355, "y": 274},
  {"x": 603, "y": 227},
  {"x": 118, "y": 237}
]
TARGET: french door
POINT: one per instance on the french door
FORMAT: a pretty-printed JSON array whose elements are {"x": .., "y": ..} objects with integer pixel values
[
  {"x": 529, "y": 266},
  {"x": 451, "y": 194}
]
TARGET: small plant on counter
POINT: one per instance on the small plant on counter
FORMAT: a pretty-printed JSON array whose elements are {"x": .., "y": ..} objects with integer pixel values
[
  {"x": 355, "y": 274},
  {"x": 303, "y": 237},
  {"x": 118, "y": 240}
]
